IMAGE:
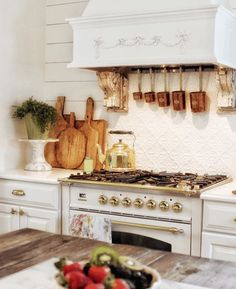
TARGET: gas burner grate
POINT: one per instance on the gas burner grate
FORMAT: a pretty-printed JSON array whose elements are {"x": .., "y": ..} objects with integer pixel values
[{"x": 184, "y": 181}]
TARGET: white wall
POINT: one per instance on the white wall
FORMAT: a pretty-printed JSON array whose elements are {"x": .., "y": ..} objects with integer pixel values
[
  {"x": 22, "y": 31},
  {"x": 166, "y": 140}
]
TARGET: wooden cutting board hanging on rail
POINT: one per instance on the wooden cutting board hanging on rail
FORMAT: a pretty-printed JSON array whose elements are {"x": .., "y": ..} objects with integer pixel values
[
  {"x": 71, "y": 148},
  {"x": 60, "y": 125}
]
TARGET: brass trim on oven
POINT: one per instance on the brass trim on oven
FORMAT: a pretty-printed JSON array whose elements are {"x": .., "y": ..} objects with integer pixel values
[
  {"x": 173, "y": 230},
  {"x": 186, "y": 192}
]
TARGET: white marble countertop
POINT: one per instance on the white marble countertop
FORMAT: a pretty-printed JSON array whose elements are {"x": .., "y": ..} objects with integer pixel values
[
  {"x": 222, "y": 193},
  {"x": 48, "y": 177}
]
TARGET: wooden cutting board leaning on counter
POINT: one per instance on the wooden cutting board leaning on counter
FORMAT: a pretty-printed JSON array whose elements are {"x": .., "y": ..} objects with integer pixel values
[{"x": 77, "y": 138}]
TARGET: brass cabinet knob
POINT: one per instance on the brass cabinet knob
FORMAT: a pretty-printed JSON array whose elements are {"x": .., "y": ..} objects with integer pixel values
[
  {"x": 13, "y": 211},
  {"x": 138, "y": 203},
  {"x": 102, "y": 200},
  {"x": 177, "y": 207},
  {"x": 126, "y": 202},
  {"x": 164, "y": 206},
  {"x": 21, "y": 212},
  {"x": 151, "y": 204},
  {"x": 114, "y": 201},
  {"x": 18, "y": 193}
]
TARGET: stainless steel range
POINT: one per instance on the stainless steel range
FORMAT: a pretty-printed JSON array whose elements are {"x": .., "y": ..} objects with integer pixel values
[{"x": 158, "y": 210}]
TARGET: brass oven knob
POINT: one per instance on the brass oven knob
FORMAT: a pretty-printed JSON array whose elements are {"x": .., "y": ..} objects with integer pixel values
[
  {"x": 126, "y": 202},
  {"x": 114, "y": 201},
  {"x": 151, "y": 204},
  {"x": 138, "y": 203},
  {"x": 177, "y": 207},
  {"x": 102, "y": 200},
  {"x": 164, "y": 206}
]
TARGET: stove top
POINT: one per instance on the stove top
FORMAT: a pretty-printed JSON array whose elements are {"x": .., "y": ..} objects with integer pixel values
[{"x": 178, "y": 182}]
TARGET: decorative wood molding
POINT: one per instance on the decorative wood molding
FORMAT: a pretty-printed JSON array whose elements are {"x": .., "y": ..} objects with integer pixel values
[{"x": 115, "y": 88}]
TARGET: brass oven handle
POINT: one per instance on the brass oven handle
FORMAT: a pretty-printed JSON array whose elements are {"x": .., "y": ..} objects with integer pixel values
[
  {"x": 173, "y": 230},
  {"x": 19, "y": 193}
]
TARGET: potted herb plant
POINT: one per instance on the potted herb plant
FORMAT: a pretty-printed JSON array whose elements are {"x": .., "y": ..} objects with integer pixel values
[{"x": 38, "y": 116}]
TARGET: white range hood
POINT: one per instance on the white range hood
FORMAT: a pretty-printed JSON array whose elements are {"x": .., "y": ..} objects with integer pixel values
[{"x": 113, "y": 33}]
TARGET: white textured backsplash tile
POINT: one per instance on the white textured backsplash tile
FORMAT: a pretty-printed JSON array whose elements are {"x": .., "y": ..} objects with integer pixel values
[{"x": 180, "y": 141}]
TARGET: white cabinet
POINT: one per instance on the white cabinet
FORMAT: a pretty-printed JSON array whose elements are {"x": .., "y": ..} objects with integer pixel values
[
  {"x": 9, "y": 220},
  {"x": 219, "y": 230},
  {"x": 219, "y": 246},
  {"x": 40, "y": 219},
  {"x": 25, "y": 204}
]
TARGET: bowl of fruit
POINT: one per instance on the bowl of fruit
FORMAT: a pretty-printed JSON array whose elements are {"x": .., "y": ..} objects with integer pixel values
[{"x": 106, "y": 269}]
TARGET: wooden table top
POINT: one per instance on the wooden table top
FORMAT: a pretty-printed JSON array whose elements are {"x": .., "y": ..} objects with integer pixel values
[{"x": 26, "y": 247}]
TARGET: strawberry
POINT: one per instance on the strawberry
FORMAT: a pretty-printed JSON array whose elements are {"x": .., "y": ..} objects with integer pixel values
[
  {"x": 71, "y": 267},
  {"x": 120, "y": 284},
  {"x": 98, "y": 273},
  {"x": 76, "y": 279},
  {"x": 95, "y": 286}
]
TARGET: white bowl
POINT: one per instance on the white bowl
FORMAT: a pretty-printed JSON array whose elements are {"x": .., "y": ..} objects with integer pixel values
[{"x": 156, "y": 277}]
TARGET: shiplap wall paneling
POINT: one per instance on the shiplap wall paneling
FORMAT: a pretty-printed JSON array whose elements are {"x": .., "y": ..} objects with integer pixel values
[
  {"x": 59, "y": 52},
  {"x": 74, "y": 91},
  {"x": 75, "y": 84},
  {"x": 59, "y": 33},
  {"x": 57, "y": 14},
  {"x": 63, "y": 2},
  {"x": 58, "y": 71}
]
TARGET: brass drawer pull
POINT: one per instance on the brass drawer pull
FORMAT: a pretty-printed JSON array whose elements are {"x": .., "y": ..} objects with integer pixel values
[
  {"x": 234, "y": 219},
  {"x": 19, "y": 193},
  {"x": 21, "y": 212},
  {"x": 234, "y": 192},
  {"x": 157, "y": 228},
  {"x": 13, "y": 211}
]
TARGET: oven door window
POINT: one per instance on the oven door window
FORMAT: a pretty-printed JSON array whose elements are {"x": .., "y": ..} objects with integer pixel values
[{"x": 139, "y": 240}]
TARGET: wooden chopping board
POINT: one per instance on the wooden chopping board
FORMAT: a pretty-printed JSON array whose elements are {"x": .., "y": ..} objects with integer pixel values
[
  {"x": 101, "y": 126},
  {"x": 90, "y": 133},
  {"x": 71, "y": 148},
  {"x": 60, "y": 125}
]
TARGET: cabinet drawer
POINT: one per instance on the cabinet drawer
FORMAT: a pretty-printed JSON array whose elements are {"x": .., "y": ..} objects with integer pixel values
[
  {"x": 219, "y": 246},
  {"x": 27, "y": 193},
  {"x": 220, "y": 217}
]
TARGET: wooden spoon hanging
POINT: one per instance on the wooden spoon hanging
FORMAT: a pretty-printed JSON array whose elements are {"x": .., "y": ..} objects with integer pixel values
[
  {"x": 71, "y": 148},
  {"x": 60, "y": 125}
]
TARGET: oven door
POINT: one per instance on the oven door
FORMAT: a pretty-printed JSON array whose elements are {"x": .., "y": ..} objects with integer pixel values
[{"x": 150, "y": 233}]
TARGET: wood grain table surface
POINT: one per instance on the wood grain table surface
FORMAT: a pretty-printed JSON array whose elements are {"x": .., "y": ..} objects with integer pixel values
[{"x": 24, "y": 248}]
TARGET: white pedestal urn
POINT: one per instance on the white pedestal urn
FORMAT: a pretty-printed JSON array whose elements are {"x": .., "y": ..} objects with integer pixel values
[{"x": 38, "y": 162}]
